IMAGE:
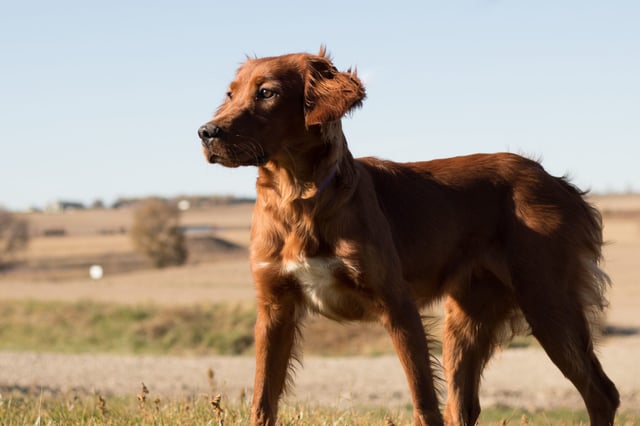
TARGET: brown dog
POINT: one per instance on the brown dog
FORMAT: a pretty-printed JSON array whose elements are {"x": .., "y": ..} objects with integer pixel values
[{"x": 368, "y": 239}]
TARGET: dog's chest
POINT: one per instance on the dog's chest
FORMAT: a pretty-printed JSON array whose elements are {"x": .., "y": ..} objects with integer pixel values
[{"x": 323, "y": 283}]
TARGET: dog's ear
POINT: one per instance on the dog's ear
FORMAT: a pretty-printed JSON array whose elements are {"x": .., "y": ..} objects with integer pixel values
[{"x": 328, "y": 93}]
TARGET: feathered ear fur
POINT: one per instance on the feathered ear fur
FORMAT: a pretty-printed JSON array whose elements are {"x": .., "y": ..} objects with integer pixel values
[{"x": 328, "y": 93}]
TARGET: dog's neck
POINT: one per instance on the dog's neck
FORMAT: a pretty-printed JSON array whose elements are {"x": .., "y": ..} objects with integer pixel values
[
  {"x": 306, "y": 174},
  {"x": 327, "y": 180}
]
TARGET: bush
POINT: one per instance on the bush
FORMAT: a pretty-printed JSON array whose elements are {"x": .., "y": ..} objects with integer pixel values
[
  {"x": 156, "y": 232},
  {"x": 14, "y": 236}
]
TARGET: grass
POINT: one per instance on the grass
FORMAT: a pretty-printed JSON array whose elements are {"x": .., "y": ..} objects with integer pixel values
[
  {"x": 225, "y": 329},
  {"x": 202, "y": 410},
  {"x": 216, "y": 409},
  {"x": 144, "y": 329}
]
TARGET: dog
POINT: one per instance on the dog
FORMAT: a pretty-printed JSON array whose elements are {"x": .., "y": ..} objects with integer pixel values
[{"x": 494, "y": 235}]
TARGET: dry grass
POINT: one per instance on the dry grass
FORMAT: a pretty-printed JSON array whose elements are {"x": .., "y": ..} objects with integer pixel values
[
  {"x": 199, "y": 410},
  {"x": 214, "y": 408}
]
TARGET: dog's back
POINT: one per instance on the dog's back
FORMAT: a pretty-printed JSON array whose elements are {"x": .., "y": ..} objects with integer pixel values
[{"x": 487, "y": 211}]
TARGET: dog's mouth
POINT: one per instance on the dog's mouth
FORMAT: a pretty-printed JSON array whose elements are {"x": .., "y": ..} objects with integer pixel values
[{"x": 230, "y": 160}]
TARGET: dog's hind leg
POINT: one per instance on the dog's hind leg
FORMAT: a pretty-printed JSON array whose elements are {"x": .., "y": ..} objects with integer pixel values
[
  {"x": 557, "y": 318},
  {"x": 475, "y": 311}
]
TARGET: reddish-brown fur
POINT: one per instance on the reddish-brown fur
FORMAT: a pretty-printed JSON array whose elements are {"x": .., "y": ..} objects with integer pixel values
[{"x": 363, "y": 239}]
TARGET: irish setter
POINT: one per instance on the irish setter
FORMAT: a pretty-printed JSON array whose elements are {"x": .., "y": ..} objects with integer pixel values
[{"x": 366, "y": 239}]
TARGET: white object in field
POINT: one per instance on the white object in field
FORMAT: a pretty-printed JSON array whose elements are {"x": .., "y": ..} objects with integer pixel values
[{"x": 96, "y": 272}]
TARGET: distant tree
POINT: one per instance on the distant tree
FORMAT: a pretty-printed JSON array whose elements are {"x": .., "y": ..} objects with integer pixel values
[
  {"x": 97, "y": 204},
  {"x": 156, "y": 232},
  {"x": 14, "y": 236}
]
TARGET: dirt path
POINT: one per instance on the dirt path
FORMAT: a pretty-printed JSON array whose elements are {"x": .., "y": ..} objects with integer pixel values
[{"x": 516, "y": 377}]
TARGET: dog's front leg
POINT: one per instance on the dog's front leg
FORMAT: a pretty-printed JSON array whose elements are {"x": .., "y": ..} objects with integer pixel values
[
  {"x": 275, "y": 335},
  {"x": 402, "y": 320}
]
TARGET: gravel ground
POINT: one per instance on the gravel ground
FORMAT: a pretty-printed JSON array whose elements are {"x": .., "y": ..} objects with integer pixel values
[{"x": 333, "y": 381}]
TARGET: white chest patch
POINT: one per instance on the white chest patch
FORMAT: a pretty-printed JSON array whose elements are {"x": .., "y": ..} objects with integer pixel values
[{"x": 316, "y": 276}]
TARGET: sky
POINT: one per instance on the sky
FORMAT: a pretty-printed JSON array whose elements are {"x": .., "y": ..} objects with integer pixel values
[{"x": 103, "y": 99}]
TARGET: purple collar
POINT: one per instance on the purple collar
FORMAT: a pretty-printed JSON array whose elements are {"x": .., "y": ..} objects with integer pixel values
[{"x": 323, "y": 185}]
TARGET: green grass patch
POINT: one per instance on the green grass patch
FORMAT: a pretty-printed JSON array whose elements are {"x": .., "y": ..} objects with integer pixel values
[
  {"x": 210, "y": 410},
  {"x": 72, "y": 327},
  {"x": 144, "y": 329}
]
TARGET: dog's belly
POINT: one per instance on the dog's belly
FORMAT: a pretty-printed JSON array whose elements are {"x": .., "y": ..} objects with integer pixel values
[{"x": 325, "y": 292}]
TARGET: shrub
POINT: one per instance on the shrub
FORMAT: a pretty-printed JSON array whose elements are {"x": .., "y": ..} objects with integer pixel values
[
  {"x": 156, "y": 232},
  {"x": 14, "y": 236}
]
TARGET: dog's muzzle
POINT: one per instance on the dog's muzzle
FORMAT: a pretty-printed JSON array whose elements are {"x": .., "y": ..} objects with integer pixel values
[
  {"x": 208, "y": 133},
  {"x": 217, "y": 150}
]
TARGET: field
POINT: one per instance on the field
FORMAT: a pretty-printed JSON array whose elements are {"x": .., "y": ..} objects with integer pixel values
[{"x": 66, "y": 339}]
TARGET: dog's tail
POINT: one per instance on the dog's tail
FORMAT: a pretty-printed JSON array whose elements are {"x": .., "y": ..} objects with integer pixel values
[
  {"x": 568, "y": 229},
  {"x": 590, "y": 282}
]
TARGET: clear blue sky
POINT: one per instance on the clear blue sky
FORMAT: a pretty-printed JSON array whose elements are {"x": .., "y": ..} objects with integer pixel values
[{"x": 100, "y": 99}]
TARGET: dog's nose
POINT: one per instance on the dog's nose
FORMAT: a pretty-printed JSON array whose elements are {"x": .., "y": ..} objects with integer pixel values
[{"x": 207, "y": 132}]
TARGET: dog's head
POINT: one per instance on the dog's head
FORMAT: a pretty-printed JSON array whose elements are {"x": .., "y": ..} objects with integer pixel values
[{"x": 275, "y": 105}]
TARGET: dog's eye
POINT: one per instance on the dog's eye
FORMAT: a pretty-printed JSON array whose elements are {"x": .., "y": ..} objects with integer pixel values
[
  {"x": 229, "y": 95},
  {"x": 265, "y": 94}
]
